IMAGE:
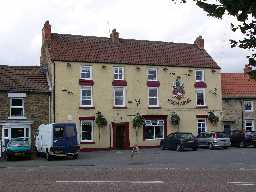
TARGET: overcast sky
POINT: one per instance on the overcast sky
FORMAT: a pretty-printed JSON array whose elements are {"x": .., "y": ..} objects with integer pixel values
[{"x": 22, "y": 21}]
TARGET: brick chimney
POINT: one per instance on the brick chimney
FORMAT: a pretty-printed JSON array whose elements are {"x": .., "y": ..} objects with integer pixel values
[
  {"x": 46, "y": 31},
  {"x": 199, "y": 42},
  {"x": 114, "y": 36}
]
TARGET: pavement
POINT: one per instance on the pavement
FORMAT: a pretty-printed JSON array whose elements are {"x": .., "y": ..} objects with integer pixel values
[{"x": 233, "y": 169}]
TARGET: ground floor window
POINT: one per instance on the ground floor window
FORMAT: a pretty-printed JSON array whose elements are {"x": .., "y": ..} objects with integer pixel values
[
  {"x": 15, "y": 132},
  {"x": 154, "y": 129},
  {"x": 249, "y": 125},
  {"x": 87, "y": 130},
  {"x": 201, "y": 126}
]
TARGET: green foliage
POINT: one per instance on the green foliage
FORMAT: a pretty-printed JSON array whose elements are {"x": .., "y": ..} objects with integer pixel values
[
  {"x": 100, "y": 120},
  {"x": 175, "y": 119},
  {"x": 244, "y": 12},
  {"x": 213, "y": 118},
  {"x": 138, "y": 121}
]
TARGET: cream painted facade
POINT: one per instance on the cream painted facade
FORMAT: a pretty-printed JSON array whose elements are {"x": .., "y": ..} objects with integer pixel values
[{"x": 67, "y": 99}]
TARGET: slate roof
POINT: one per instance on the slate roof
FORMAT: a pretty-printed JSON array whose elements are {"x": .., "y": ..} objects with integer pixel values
[
  {"x": 91, "y": 49},
  {"x": 237, "y": 85},
  {"x": 22, "y": 79}
]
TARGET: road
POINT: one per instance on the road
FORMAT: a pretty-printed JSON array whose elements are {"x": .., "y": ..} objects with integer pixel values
[{"x": 150, "y": 170}]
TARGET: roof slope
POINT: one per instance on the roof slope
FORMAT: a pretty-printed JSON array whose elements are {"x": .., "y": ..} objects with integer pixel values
[
  {"x": 237, "y": 85},
  {"x": 65, "y": 47},
  {"x": 22, "y": 79}
]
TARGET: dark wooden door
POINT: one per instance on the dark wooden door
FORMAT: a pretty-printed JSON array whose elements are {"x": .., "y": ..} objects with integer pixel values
[{"x": 120, "y": 136}]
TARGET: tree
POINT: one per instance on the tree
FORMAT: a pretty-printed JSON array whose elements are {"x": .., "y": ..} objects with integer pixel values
[{"x": 244, "y": 12}]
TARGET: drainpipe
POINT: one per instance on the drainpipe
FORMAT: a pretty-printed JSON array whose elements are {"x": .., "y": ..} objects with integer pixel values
[{"x": 242, "y": 113}]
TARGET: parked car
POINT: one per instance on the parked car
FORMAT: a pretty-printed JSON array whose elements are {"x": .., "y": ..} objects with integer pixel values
[
  {"x": 18, "y": 147},
  {"x": 179, "y": 141},
  {"x": 213, "y": 140},
  {"x": 240, "y": 138}
]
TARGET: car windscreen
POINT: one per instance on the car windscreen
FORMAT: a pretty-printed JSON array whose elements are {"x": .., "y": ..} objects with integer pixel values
[
  {"x": 185, "y": 136},
  {"x": 70, "y": 130},
  {"x": 58, "y": 131},
  {"x": 17, "y": 143},
  {"x": 221, "y": 135}
]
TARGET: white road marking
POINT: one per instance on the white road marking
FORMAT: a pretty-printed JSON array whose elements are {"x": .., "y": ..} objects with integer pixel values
[
  {"x": 132, "y": 182},
  {"x": 242, "y": 183}
]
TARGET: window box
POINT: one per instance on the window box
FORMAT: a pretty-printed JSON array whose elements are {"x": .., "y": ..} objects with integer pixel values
[
  {"x": 153, "y": 84},
  {"x": 86, "y": 82},
  {"x": 200, "y": 84},
  {"x": 119, "y": 83}
]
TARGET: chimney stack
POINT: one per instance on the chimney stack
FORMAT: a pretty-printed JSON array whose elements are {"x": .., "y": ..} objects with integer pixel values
[
  {"x": 46, "y": 31},
  {"x": 114, "y": 36},
  {"x": 199, "y": 42}
]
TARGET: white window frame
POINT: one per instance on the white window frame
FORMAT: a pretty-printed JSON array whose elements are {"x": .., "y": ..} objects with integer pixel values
[
  {"x": 15, "y": 107},
  {"x": 157, "y": 105},
  {"x": 124, "y": 96},
  {"x": 203, "y": 90},
  {"x": 119, "y": 70},
  {"x": 81, "y": 71},
  {"x": 92, "y": 133},
  {"x": 251, "y": 105},
  {"x": 249, "y": 120},
  {"x": 155, "y": 69},
  {"x": 158, "y": 120},
  {"x": 197, "y": 123},
  {"x": 202, "y": 75},
  {"x": 81, "y": 97}
]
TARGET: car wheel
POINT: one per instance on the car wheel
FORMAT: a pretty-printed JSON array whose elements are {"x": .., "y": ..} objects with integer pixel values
[
  {"x": 162, "y": 147},
  {"x": 48, "y": 156},
  {"x": 225, "y": 147},
  {"x": 241, "y": 144},
  {"x": 211, "y": 147},
  {"x": 179, "y": 147}
]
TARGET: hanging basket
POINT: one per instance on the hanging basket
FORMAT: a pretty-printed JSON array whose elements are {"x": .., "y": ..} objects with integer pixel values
[
  {"x": 213, "y": 118},
  {"x": 100, "y": 120},
  {"x": 175, "y": 119},
  {"x": 138, "y": 121}
]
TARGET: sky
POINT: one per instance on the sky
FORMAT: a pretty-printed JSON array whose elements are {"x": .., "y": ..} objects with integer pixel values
[{"x": 21, "y": 23}]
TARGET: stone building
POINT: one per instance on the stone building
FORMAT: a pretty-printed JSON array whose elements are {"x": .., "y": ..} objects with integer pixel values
[
  {"x": 239, "y": 101},
  {"x": 122, "y": 77},
  {"x": 24, "y": 101}
]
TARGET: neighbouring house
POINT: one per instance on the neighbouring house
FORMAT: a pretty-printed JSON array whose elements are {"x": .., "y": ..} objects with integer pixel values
[
  {"x": 239, "y": 101},
  {"x": 24, "y": 101},
  {"x": 122, "y": 77}
]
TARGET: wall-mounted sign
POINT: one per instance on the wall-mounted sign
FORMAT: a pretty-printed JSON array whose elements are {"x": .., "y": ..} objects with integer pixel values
[{"x": 178, "y": 93}]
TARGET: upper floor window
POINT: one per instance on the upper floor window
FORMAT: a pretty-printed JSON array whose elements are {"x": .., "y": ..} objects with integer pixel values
[
  {"x": 86, "y": 96},
  {"x": 153, "y": 97},
  {"x": 248, "y": 106},
  {"x": 87, "y": 127},
  {"x": 86, "y": 72},
  {"x": 200, "y": 97},
  {"x": 118, "y": 73},
  {"x": 16, "y": 107},
  {"x": 199, "y": 75},
  {"x": 119, "y": 96},
  {"x": 152, "y": 74}
]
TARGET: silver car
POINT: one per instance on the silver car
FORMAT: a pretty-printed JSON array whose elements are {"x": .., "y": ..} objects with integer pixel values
[{"x": 213, "y": 140}]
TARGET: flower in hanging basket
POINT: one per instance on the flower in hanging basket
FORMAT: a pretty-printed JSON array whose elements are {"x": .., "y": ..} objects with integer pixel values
[
  {"x": 138, "y": 121},
  {"x": 175, "y": 119},
  {"x": 100, "y": 120},
  {"x": 213, "y": 118}
]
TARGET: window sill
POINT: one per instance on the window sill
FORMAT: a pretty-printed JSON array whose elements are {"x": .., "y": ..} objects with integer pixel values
[
  {"x": 17, "y": 117},
  {"x": 202, "y": 107},
  {"x": 157, "y": 139},
  {"x": 154, "y": 107},
  {"x": 119, "y": 107},
  {"x": 248, "y": 111},
  {"x": 87, "y": 142},
  {"x": 84, "y": 107}
]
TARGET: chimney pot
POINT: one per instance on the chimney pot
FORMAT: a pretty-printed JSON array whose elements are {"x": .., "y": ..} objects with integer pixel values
[
  {"x": 46, "y": 31},
  {"x": 199, "y": 42},
  {"x": 114, "y": 36}
]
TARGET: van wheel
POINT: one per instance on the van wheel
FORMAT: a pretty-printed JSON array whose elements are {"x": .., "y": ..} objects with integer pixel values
[
  {"x": 211, "y": 147},
  {"x": 75, "y": 156},
  {"x": 179, "y": 147},
  {"x": 241, "y": 144},
  {"x": 48, "y": 156}
]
